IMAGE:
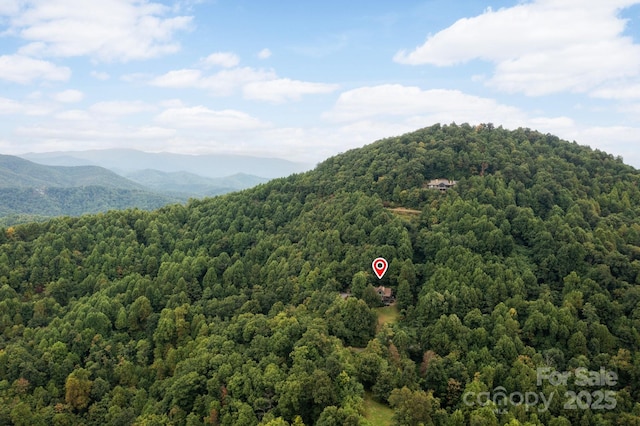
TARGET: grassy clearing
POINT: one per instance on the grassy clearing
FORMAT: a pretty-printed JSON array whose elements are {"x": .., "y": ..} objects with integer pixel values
[
  {"x": 404, "y": 211},
  {"x": 387, "y": 315},
  {"x": 378, "y": 414}
]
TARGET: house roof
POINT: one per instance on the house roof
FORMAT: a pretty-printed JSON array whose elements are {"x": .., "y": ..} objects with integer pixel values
[
  {"x": 441, "y": 181},
  {"x": 383, "y": 291}
]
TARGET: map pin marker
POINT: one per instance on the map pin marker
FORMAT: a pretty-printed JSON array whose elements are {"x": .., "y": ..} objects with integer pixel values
[{"x": 380, "y": 266}]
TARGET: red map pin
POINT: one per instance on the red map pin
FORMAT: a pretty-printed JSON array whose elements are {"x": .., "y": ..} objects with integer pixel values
[{"x": 380, "y": 266}]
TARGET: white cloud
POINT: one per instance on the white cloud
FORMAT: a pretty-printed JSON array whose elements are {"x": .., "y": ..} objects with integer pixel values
[
  {"x": 135, "y": 77},
  {"x": 117, "y": 108},
  {"x": 264, "y": 53},
  {"x": 221, "y": 59},
  {"x": 222, "y": 83},
  {"x": 436, "y": 105},
  {"x": 179, "y": 79},
  {"x": 200, "y": 117},
  {"x": 100, "y": 75},
  {"x": 171, "y": 103},
  {"x": 9, "y": 7},
  {"x": 68, "y": 96},
  {"x": 618, "y": 91},
  {"x": 73, "y": 115},
  {"x": 256, "y": 84},
  {"x": 9, "y": 106},
  {"x": 227, "y": 81},
  {"x": 284, "y": 89},
  {"x": 113, "y": 30},
  {"x": 67, "y": 135},
  {"x": 541, "y": 47},
  {"x": 23, "y": 70}
]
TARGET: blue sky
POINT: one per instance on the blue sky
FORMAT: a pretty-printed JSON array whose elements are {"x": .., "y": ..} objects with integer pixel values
[{"x": 305, "y": 80}]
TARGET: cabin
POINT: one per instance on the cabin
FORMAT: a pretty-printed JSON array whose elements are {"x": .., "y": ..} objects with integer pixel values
[
  {"x": 386, "y": 295},
  {"x": 441, "y": 184}
]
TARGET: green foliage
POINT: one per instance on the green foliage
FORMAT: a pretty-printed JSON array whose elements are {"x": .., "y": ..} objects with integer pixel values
[
  {"x": 413, "y": 408},
  {"x": 227, "y": 310}
]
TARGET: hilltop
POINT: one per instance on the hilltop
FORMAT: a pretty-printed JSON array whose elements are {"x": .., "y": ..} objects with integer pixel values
[{"x": 227, "y": 311}]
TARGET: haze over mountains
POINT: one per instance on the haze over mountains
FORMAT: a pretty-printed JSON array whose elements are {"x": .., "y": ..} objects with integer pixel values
[
  {"x": 73, "y": 183},
  {"x": 17, "y": 172},
  {"x": 30, "y": 191},
  {"x": 125, "y": 161}
]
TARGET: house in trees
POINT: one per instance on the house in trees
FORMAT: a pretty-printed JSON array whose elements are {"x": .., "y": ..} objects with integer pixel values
[
  {"x": 441, "y": 184},
  {"x": 386, "y": 295}
]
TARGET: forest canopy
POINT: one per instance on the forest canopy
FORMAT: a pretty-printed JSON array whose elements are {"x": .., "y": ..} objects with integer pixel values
[{"x": 227, "y": 310}]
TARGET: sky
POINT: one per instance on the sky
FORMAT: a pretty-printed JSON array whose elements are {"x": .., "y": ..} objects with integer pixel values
[{"x": 305, "y": 80}]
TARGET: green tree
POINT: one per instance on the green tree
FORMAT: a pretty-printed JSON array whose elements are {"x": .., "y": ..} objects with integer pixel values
[
  {"x": 78, "y": 389},
  {"x": 413, "y": 408}
]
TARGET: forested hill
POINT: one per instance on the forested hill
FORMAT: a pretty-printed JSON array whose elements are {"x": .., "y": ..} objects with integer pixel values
[{"x": 227, "y": 310}]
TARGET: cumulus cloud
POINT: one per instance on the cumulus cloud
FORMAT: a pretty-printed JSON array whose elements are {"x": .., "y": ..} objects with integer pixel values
[
  {"x": 100, "y": 75},
  {"x": 24, "y": 70},
  {"x": 256, "y": 84},
  {"x": 179, "y": 79},
  {"x": 541, "y": 47},
  {"x": 9, "y": 7},
  {"x": 284, "y": 89},
  {"x": 9, "y": 106},
  {"x": 111, "y": 30},
  {"x": 618, "y": 91},
  {"x": 438, "y": 105},
  {"x": 68, "y": 96},
  {"x": 73, "y": 115},
  {"x": 66, "y": 135},
  {"x": 221, "y": 59},
  {"x": 118, "y": 108},
  {"x": 264, "y": 53},
  {"x": 200, "y": 117},
  {"x": 222, "y": 83}
]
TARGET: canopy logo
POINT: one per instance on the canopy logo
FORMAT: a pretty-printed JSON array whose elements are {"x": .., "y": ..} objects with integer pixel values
[{"x": 595, "y": 397}]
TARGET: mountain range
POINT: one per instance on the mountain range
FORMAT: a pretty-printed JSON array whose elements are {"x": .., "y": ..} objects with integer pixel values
[
  {"x": 16, "y": 172},
  {"x": 180, "y": 183},
  {"x": 30, "y": 191},
  {"x": 37, "y": 186},
  {"x": 125, "y": 161}
]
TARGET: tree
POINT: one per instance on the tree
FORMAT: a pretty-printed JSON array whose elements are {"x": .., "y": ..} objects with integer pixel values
[
  {"x": 413, "y": 408},
  {"x": 371, "y": 298},
  {"x": 353, "y": 321},
  {"x": 404, "y": 297},
  {"x": 139, "y": 312},
  {"x": 359, "y": 284},
  {"x": 78, "y": 389}
]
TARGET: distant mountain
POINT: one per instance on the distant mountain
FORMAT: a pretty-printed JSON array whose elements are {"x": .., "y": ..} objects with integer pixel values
[
  {"x": 192, "y": 184},
  {"x": 30, "y": 191},
  {"x": 16, "y": 172},
  {"x": 125, "y": 161}
]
